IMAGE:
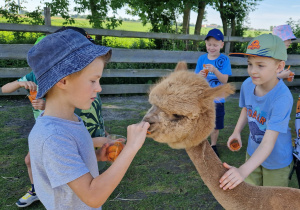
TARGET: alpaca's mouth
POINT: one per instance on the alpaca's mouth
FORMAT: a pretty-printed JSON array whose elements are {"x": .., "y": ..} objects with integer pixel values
[{"x": 151, "y": 129}]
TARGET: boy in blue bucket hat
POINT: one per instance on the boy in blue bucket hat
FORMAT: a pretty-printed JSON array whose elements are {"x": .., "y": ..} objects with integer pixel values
[
  {"x": 92, "y": 118},
  {"x": 68, "y": 68}
]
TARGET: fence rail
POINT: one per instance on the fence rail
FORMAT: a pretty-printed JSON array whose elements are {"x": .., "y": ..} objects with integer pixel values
[{"x": 19, "y": 52}]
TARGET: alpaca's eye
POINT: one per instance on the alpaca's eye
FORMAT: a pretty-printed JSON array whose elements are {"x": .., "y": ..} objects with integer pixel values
[{"x": 177, "y": 117}]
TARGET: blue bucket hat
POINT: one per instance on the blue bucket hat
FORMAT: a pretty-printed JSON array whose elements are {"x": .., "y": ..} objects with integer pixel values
[{"x": 59, "y": 55}]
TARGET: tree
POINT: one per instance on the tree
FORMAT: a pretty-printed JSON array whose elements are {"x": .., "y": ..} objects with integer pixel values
[
  {"x": 200, "y": 16},
  {"x": 162, "y": 15},
  {"x": 234, "y": 12},
  {"x": 10, "y": 11},
  {"x": 98, "y": 10}
]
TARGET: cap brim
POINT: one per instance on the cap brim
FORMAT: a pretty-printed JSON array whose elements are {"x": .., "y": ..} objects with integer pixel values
[{"x": 245, "y": 54}]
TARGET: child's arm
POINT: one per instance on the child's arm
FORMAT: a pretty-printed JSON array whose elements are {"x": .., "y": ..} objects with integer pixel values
[
  {"x": 285, "y": 74},
  {"x": 100, "y": 141},
  {"x": 15, "y": 85},
  {"x": 234, "y": 176},
  {"x": 95, "y": 191},
  {"x": 238, "y": 128},
  {"x": 223, "y": 78}
]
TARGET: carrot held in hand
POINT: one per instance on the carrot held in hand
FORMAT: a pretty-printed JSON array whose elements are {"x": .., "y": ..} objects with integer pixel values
[{"x": 32, "y": 95}]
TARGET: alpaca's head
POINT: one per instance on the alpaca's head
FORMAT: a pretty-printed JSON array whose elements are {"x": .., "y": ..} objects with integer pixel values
[{"x": 183, "y": 110}]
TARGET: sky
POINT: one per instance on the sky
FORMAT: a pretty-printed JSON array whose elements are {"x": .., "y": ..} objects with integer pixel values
[{"x": 267, "y": 13}]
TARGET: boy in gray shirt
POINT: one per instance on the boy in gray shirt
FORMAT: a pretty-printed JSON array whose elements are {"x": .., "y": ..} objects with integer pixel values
[{"x": 68, "y": 69}]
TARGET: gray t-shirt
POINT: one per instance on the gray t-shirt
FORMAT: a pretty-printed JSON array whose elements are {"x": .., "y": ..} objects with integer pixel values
[{"x": 60, "y": 152}]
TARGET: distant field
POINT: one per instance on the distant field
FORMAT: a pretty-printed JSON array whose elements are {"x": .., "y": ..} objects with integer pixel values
[{"x": 8, "y": 37}]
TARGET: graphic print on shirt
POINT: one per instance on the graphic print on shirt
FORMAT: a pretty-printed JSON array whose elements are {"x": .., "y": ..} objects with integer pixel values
[
  {"x": 219, "y": 63},
  {"x": 257, "y": 123}
]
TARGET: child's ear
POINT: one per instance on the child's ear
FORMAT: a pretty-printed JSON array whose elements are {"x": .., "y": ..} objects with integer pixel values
[
  {"x": 280, "y": 66},
  {"x": 222, "y": 45},
  {"x": 61, "y": 83}
]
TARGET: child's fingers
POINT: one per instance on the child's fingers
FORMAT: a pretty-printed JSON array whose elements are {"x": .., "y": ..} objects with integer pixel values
[
  {"x": 101, "y": 153},
  {"x": 228, "y": 142},
  {"x": 227, "y": 166},
  {"x": 226, "y": 175},
  {"x": 236, "y": 182},
  {"x": 120, "y": 140},
  {"x": 145, "y": 124},
  {"x": 232, "y": 183}
]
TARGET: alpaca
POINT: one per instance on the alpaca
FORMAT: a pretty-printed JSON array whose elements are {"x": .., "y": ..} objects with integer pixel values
[{"x": 183, "y": 116}]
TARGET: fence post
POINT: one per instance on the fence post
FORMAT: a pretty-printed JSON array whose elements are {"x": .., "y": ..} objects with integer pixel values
[
  {"x": 227, "y": 44},
  {"x": 47, "y": 16}
]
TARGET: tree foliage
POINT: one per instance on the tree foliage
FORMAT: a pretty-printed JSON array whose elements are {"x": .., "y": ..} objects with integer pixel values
[
  {"x": 10, "y": 11},
  {"x": 97, "y": 9},
  {"x": 233, "y": 13}
]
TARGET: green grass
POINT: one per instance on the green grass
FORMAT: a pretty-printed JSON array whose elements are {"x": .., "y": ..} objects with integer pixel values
[{"x": 159, "y": 177}]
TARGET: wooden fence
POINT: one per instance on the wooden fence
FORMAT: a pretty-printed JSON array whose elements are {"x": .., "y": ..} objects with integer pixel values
[{"x": 19, "y": 51}]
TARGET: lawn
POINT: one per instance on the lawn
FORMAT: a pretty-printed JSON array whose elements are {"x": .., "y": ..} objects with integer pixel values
[{"x": 159, "y": 177}]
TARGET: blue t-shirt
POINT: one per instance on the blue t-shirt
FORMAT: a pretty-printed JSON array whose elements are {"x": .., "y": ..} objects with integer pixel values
[
  {"x": 60, "y": 152},
  {"x": 269, "y": 112},
  {"x": 222, "y": 63}
]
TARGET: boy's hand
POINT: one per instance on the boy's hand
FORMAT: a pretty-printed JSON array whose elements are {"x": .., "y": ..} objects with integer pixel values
[
  {"x": 202, "y": 73},
  {"x": 232, "y": 178},
  {"x": 101, "y": 153},
  {"x": 136, "y": 135},
  {"x": 28, "y": 85},
  {"x": 284, "y": 74},
  {"x": 110, "y": 141},
  {"x": 236, "y": 136},
  {"x": 210, "y": 68},
  {"x": 38, "y": 104}
]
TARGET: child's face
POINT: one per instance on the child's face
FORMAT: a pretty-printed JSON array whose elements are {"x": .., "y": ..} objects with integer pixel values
[
  {"x": 213, "y": 46},
  {"x": 85, "y": 86},
  {"x": 287, "y": 43},
  {"x": 263, "y": 69}
]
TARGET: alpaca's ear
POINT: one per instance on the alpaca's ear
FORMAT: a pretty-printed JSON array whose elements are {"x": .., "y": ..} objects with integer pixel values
[
  {"x": 221, "y": 91},
  {"x": 181, "y": 65}
]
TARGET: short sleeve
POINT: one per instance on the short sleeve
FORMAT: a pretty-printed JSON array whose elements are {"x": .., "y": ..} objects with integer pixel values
[
  {"x": 199, "y": 65},
  {"x": 280, "y": 114},
  {"x": 242, "y": 97},
  {"x": 23, "y": 79},
  {"x": 227, "y": 67},
  {"x": 28, "y": 77},
  {"x": 62, "y": 160}
]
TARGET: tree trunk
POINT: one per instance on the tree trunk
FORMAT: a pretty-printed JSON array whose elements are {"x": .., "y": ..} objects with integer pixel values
[
  {"x": 233, "y": 32},
  {"x": 221, "y": 9},
  {"x": 96, "y": 22},
  {"x": 186, "y": 19},
  {"x": 186, "y": 22},
  {"x": 201, "y": 9}
]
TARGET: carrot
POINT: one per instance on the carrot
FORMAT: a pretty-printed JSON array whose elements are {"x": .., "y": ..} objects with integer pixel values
[{"x": 32, "y": 95}]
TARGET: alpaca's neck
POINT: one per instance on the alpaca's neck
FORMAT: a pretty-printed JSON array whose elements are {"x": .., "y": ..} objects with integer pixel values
[
  {"x": 210, "y": 168},
  {"x": 207, "y": 163},
  {"x": 244, "y": 196}
]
